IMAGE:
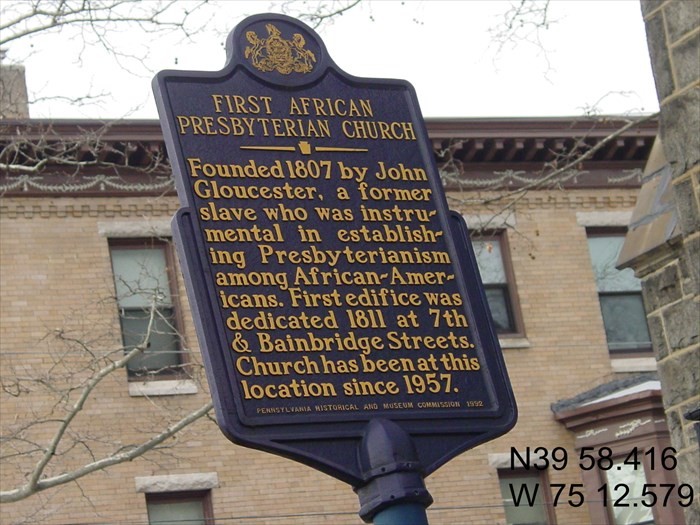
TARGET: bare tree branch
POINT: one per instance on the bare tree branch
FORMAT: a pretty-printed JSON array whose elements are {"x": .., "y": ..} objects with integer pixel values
[
  {"x": 72, "y": 380},
  {"x": 523, "y": 22},
  {"x": 90, "y": 149},
  {"x": 23, "y": 19},
  {"x": 100, "y": 23},
  {"x": 38, "y": 485},
  {"x": 320, "y": 13},
  {"x": 567, "y": 163},
  {"x": 86, "y": 362}
]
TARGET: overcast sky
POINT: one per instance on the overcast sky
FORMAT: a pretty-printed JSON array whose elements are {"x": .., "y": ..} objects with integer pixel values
[{"x": 593, "y": 58}]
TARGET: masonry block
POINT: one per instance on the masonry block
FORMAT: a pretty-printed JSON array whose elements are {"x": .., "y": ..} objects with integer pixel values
[
  {"x": 662, "y": 288},
  {"x": 680, "y": 121},
  {"x": 687, "y": 206},
  {"x": 658, "y": 53},
  {"x": 683, "y": 17},
  {"x": 680, "y": 376}
]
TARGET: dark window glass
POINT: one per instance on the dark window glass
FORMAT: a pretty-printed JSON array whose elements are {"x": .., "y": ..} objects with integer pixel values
[
  {"x": 498, "y": 282},
  {"x": 162, "y": 353},
  {"x": 619, "y": 292},
  {"x": 523, "y": 496},
  {"x": 146, "y": 307},
  {"x": 175, "y": 508},
  {"x": 626, "y": 483},
  {"x": 499, "y": 304},
  {"x": 625, "y": 321}
]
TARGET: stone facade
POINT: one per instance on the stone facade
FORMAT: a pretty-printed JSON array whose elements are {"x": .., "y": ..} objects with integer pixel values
[{"x": 663, "y": 245}]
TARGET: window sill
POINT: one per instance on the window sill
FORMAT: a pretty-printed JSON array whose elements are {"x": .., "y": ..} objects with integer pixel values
[
  {"x": 162, "y": 388},
  {"x": 514, "y": 342},
  {"x": 633, "y": 364},
  {"x": 505, "y": 461},
  {"x": 177, "y": 482}
]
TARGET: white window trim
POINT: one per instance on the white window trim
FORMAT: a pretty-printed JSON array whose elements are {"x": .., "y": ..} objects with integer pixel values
[
  {"x": 499, "y": 461},
  {"x": 144, "y": 227},
  {"x": 147, "y": 228},
  {"x": 633, "y": 364},
  {"x": 502, "y": 461},
  {"x": 177, "y": 482},
  {"x": 500, "y": 221},
  {"x": 516, "y": 343},
  {"x": 168, "y": 387},
  {"x": 603, "y": 219}
]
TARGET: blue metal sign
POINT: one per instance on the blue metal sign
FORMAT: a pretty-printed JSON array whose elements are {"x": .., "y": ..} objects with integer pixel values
[{"x": 329, "y": 283}]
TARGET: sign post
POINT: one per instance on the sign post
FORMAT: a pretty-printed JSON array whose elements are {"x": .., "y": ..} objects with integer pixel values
[{"x": 338, "y": 306}]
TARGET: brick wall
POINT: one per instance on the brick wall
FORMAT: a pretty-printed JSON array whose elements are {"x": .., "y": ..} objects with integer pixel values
[{"x": 56, "y": 280}]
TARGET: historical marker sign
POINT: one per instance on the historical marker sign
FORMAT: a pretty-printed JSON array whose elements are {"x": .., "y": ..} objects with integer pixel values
[{"x": 329, "y": 282}]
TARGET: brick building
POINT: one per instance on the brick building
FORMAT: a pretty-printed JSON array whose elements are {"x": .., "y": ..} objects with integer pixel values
[{"x": 86, "y": 207}]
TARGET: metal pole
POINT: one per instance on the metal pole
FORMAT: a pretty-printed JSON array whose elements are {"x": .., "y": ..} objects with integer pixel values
[
  {"x": 402, "y": 514},
  {"x": 394, "y": 492}
]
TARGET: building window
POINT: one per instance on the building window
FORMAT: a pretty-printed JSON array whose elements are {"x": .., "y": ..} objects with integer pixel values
[
  {"x": 499, "y": 284},
  {"x": 147, "y": 311},
  {"x": 620, "y": 295},
  {"x": 525, "y": 497},
  {"x": 625, "y": 482},
  {"x": 180, "y": 508},
  {"x": 623, "y": 444}
]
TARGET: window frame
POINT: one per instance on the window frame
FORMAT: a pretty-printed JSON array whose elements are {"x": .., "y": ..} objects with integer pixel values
[
  {"x": 614, "y": 423},
  {"x": 605, "y": 475},
  {"x": 182, "y": 370},
  {"x": 513, "y": 306},
  {"x": 542, "y": 478},
  {"x": 593, "y": 479},
  {"x": 203, "y": 496},
  {"x": 621, "y": 353}
]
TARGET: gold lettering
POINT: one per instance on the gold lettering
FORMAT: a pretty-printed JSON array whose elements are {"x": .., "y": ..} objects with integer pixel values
[
  {"x": 294, "y": 389},
  {"x": 331, "y": 107},
  {"x": 240, "y": 104},
  {"x": 378, "y": 130},
  {"x": 419, "y": 278},
  {"x": 393, "y": 194},
  {"x": 252, "y": 366},
  {"x": 370, "y": 388},
  {"x": 252, "y": 126}
]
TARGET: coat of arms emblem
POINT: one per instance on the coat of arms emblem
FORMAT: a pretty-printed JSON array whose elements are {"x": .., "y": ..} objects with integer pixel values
[{"x": 274, "y": 53}]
